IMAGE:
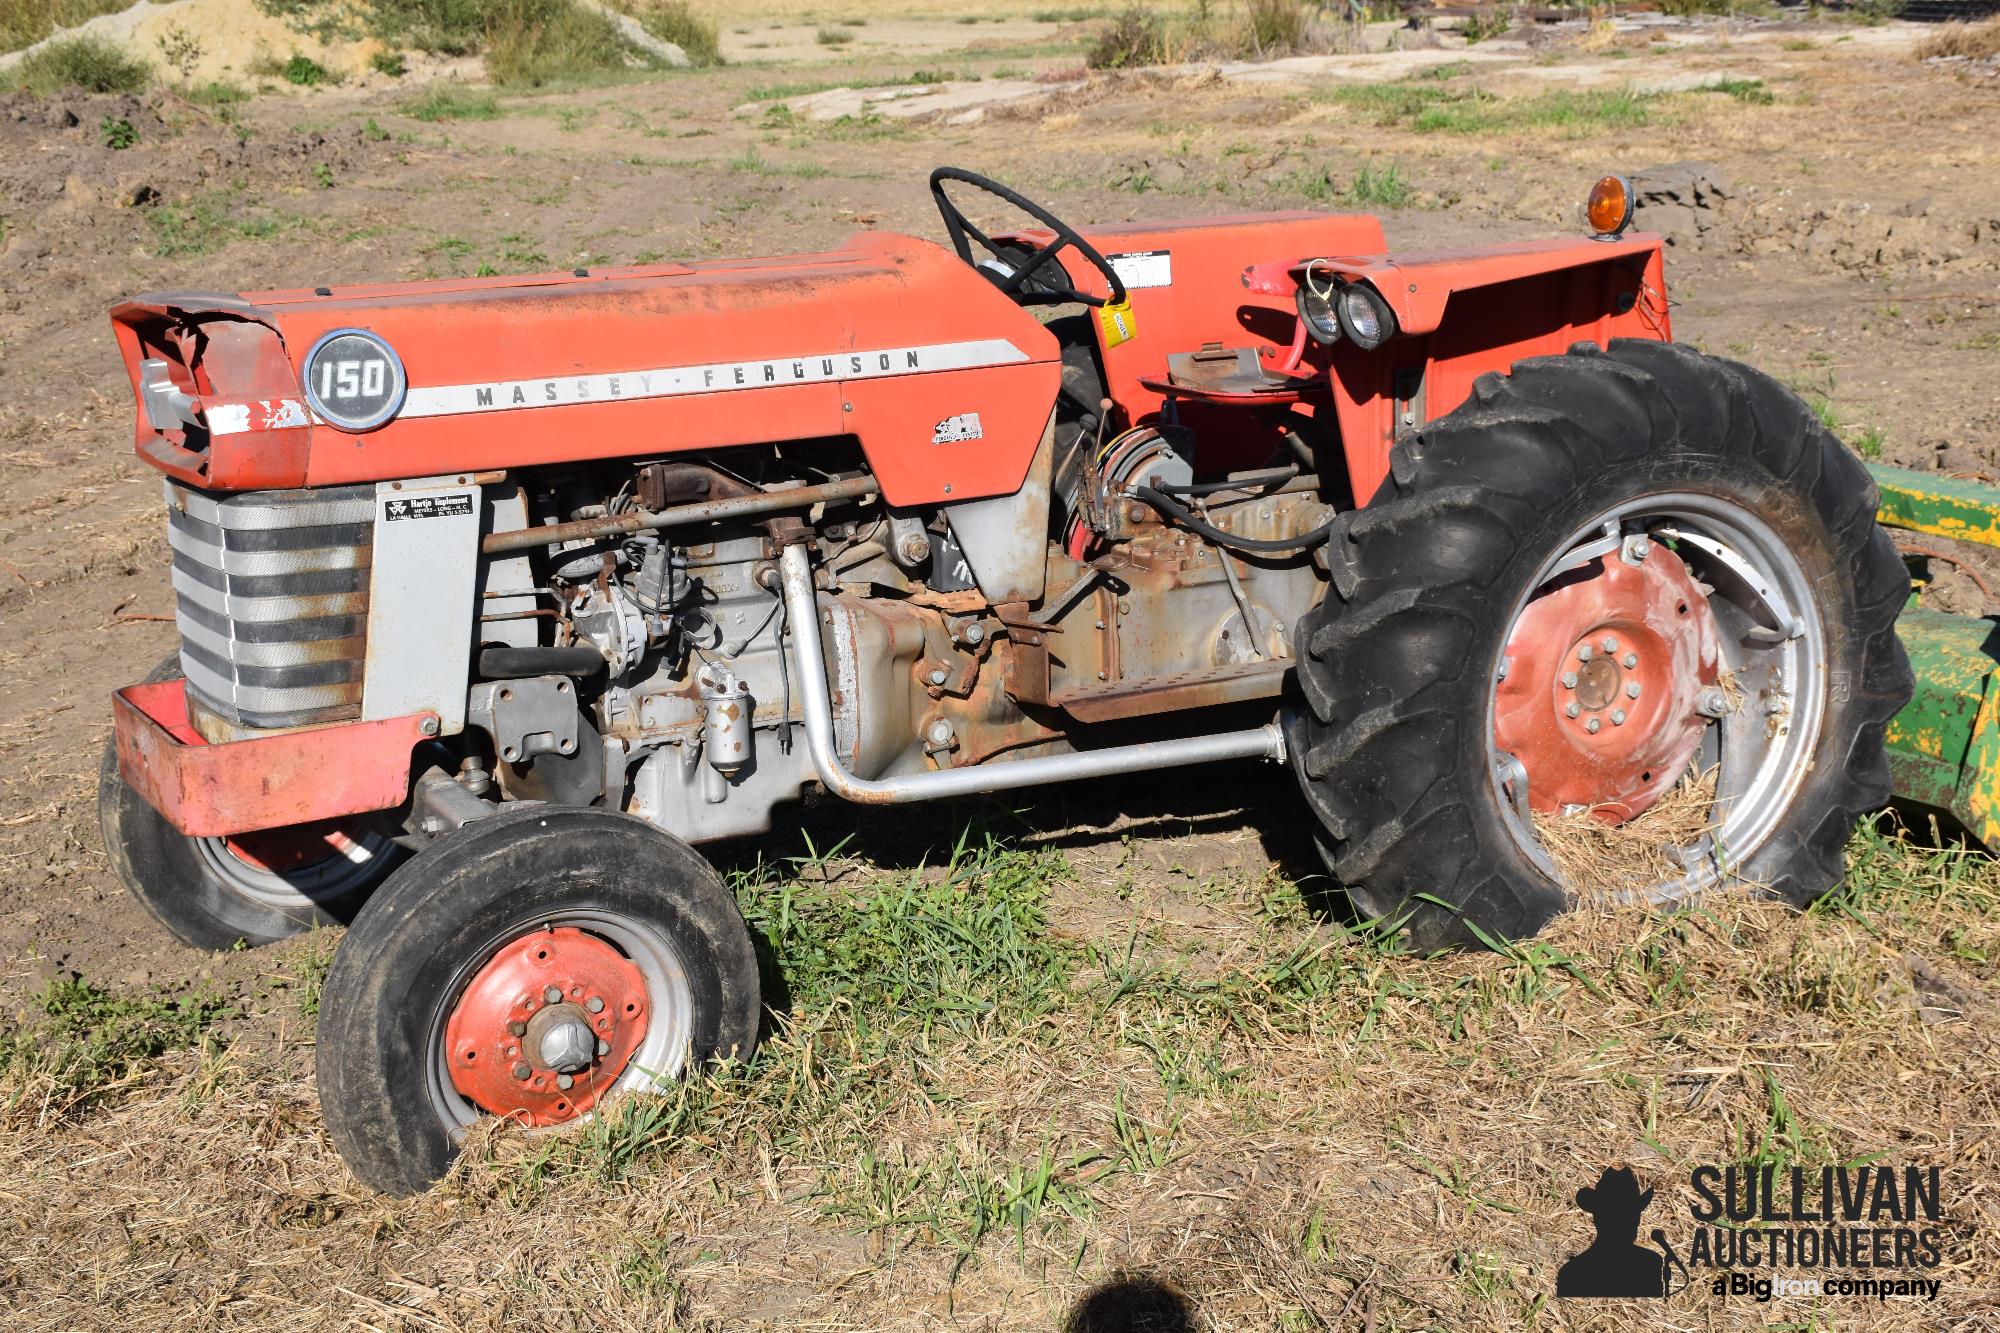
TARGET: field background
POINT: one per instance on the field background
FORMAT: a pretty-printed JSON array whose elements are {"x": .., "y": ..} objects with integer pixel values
[{"x": 1113, "y": 1057}]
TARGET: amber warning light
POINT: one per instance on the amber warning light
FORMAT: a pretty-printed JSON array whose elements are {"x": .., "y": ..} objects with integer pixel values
[{"x": 1610, "y": 206}]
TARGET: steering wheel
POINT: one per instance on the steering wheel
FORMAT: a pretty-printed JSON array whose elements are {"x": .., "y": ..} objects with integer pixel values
[{"x": 1021, "y": 279}]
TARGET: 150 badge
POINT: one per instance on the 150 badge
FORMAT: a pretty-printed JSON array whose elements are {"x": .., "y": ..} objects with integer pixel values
[{"x": 964, "y": 426}]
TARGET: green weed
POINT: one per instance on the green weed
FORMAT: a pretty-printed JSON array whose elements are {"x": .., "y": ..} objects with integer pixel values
[
  {"x": 1752, "y": 91},
  {"x": 447, "y": 101},
  {"x": 210, "y": 221},
  {"x": 678, "y": 22},
  {"x": 91, "y": 1040},
  {"x": 87, "y": 64}
]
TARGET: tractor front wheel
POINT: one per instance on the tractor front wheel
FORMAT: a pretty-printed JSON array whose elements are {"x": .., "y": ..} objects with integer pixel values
[
  {"x": 527, "y": 966},
  {"x": 1607, "y": 580}
]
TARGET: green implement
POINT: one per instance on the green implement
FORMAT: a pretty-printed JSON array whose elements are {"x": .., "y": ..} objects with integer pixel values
[{"x": 1944, "y": 748}]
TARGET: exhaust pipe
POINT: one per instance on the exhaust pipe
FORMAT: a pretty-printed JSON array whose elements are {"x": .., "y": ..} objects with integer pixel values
[{"x": 809, "y": 669}]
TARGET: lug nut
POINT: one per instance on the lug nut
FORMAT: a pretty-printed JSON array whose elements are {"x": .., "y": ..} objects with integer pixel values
[
  {"x": 1593, "y": 726},
  {"x": 1610, "y": 644},
  {"x": 564, "y": 1081},
  {"x": 1584, "y": 654},
  {"x": 1631, "y": 689},
  {"x": 940, "y": 676},
  {"x": 517, "y": 1029},
  {"x": 603, "y": 1047},
  {"x": 1569, "y": 680},
  {"x": 1617, "y": 717},
  {"x": 1571, "y": 709},
  {"x": 595, "y": 1004},
  {"x": 1631, "y": 660},
  {"x": 521, "y": 1072},
  {"x": 1712, "y": 702},
  {"x": 553, "y": 994}
]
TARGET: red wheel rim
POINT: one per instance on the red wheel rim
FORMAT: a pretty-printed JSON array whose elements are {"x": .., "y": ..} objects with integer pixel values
[
  {"x": 283, "y": 850},
  {"x": 1604, "y": 669},
  {"x": 546, "y": 1027}
]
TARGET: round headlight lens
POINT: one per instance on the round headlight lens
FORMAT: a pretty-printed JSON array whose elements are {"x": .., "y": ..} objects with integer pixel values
[
  {"x": 1316, "y": 309},
  {"x": 354, "y": 380},
  {"x": 1365, "y": 316}
]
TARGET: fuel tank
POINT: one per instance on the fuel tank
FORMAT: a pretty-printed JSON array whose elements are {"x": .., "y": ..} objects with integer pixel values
[{"x": 889, "y": 339}]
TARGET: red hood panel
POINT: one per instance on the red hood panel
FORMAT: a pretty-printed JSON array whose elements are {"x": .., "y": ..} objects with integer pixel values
[{"x": 883, "y": 339}]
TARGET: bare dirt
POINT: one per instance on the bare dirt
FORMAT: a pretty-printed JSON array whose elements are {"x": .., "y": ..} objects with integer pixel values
[{"x": 1841, "y": 229}]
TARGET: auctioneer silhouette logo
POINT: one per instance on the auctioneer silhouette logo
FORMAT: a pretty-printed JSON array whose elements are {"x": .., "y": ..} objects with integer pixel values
[
  {"x": 1615, "y": 1264},
  {"x": 1866, "y": 1231}
]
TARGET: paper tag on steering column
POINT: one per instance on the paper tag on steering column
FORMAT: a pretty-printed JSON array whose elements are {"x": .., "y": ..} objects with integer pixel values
[{"x": 1118, "y": 322}]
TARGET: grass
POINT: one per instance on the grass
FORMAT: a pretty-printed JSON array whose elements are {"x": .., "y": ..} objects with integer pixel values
[
  {"x": 1141, "y": 34},
  {"x": 1865, "y": 438},
  {"x": 833, "y": 37},
  {"x": 89, "y": 1042},
  {"x": 209, "y": 221},
  {"x": 1752, "y": 91},
  {"x": 756, "y": 164},
  {"x": 1069, "y": 1052},
  {"x": 25, "y": 22},
  {"x": 1383, "y": 188},
  {"x": 1430, "y": 106},
  {"x": 679, "y": 22},
  {"x": 86, "y": 64},
  {"x": 450, "y": 101},
  {"x": 535, "y": 42},
  {"x": 1963, "y": 41}
]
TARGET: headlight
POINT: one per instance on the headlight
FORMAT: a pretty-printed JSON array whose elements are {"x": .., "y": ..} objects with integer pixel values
[
  {"x": 354, "y": 380},
  {"x": 1364, "y": 316},
  {"x": 1316, "y": 310}
]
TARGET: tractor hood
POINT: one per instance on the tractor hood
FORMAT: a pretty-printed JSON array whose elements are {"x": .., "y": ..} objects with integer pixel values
[{"x": 886, "y": 339}]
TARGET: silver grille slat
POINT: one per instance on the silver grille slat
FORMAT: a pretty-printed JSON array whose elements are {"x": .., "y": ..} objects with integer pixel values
[{"x": 271, "y": 597}]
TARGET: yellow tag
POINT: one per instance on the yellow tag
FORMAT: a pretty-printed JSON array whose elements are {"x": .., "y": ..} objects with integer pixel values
[{"x": 1120, "y": 325}]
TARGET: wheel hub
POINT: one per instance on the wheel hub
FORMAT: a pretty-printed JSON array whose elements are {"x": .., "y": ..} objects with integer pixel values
[
  {"x": 546, "y": 1028},
  {"x": 1606, "y": 667}
]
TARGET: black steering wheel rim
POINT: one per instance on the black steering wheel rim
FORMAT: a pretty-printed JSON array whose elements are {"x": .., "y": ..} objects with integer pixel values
[{"x": 963, "y": 233}]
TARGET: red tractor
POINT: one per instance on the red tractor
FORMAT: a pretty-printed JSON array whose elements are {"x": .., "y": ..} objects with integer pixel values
[{"x": 498, "y": 595}]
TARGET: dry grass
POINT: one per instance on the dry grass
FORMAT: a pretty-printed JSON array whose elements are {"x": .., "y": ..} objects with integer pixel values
[
  {"x": 1055, "y": 1062},
  {"x": 1969, "y": 41},
  {"x": 1605, "y": 862}
]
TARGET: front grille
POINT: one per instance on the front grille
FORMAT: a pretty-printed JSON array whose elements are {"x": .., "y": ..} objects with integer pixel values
[{"x": 271, "y": 595}]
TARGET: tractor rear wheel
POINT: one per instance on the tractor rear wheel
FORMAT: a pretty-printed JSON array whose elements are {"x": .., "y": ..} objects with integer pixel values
[
  {"x": 1607, "y": 578},
  {"x": 527, "y": 966},
  {"x": 256, "y": 888}
]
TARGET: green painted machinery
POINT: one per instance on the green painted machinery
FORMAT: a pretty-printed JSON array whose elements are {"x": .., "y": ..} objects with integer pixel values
[{"x": 1944, "y": 748}]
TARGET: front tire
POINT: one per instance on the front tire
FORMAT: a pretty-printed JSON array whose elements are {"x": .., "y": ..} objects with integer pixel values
[
  {"x": 259, "y": 888},
  {"x": 526, "y": 966},
  {"x": 1404, "y": 663}
]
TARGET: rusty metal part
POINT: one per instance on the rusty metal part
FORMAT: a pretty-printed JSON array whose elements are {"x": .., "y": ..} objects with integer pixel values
[
  {"x": 658, "y": 485},
  {"x": 1118, "y": 699},
  {"x": 706, "y": 511},
  {"x": 809, "y": 674},
  {"x": 283, "y": 778},
  {"x": 561, "y": 1005},
  {"x": 1605, "y": 677}
]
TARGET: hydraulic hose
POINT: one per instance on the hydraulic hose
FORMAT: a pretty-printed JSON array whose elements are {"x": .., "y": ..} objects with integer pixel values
[{"x": 1182, "y": 515}]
